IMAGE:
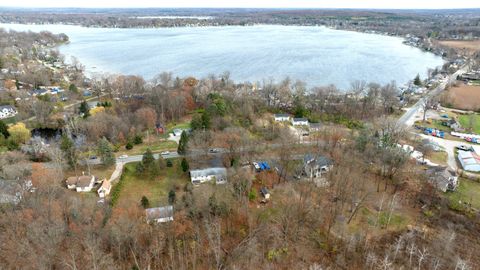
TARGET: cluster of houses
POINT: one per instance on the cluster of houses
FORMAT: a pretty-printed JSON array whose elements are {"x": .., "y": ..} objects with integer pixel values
[
  {"x": 47, "y": 90},
  {"x": 7, "y": 111},
  {"x": 86, "y": 183}
]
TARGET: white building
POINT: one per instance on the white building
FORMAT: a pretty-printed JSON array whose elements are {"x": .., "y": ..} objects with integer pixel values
[
  {"x": 300, "y": 121},
  {"x": 470, "y": 161},
  {"x": 7, "y": 111},
  {"x": 282, "y": 117},
  {"x": 104, "y": 189},
  {"x": 204, "y": 175},
  {"x": 159, "y": 214},
  {"x": 81, "y": 184}
]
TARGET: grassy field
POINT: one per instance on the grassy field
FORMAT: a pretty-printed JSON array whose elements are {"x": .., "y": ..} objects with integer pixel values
[
  {"x": 465, "y": 122},
  {"x": 465, "y": 97},
  {"x": 134, "y": 185},
  {"x": 438, "y": 157},
  {"x": 156, "y": 146},
  {"x": 467, "y": 192}
]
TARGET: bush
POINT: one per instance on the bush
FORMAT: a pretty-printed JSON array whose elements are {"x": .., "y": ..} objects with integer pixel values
[
  {"x": 137, "y": 139},
  {"x": 169, "y": 163},
  {"x": 145, "y": 202},
  {"x": 185, "y": 165},
  {"x": 252, "y": 195},
  {"x": 129, "y": 146}
]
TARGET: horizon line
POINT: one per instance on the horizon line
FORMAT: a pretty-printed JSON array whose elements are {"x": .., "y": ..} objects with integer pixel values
[{"x": 272, "y": 8}]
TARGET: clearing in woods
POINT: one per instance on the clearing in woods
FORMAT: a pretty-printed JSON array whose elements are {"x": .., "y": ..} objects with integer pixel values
[{"x": 465, "y": 97}]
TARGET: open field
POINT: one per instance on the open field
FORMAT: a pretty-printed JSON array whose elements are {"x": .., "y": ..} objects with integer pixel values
[
  {"x": 438, "y": 157},
  {"x": 468, "y": 192},
  {"x": 470, "y": 121},
  {"x": 465, "y": 97},
  {"x": 156, "y": 189},
  {"x": 466, "y": 46}
]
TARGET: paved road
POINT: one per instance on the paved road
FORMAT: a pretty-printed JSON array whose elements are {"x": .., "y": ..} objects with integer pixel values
[
  {"x": 408, "y": 119},
  {"x": 412, "y": 114}
]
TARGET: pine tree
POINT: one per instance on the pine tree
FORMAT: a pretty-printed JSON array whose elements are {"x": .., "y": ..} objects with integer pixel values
[
  {"x": 84, "y": 109},
  {"x": 182, "y": 144},
  {"x": 145, "y": 202},
  {"x": 148, "y": 160},
  {"x": 417, "y": 81},
  {"x": 185, "y": 165},
  {"x": 69, "y": 150},
  {"x": 172, "y": 196},
  {"x": 105, "y": 151},
  {"x": 4, "y": 129}
]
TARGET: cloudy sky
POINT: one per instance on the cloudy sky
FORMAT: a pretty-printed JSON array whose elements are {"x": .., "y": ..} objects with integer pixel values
[{"x": 416, "y": 4}]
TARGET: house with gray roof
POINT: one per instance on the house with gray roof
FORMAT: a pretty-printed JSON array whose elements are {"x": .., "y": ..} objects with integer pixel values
[
  {"x": 7, "y": 111},
  {"x": 159, "y": 214},
  {"x": 219, "y": 175}
]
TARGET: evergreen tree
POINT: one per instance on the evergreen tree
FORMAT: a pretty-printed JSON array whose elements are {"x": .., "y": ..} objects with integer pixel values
[
  {"x": 73, "y": 88},
  {"x": 185, "y": 165},
  {"x": 105, "y": 151},
  {"x": 172, "y": 196},
  {"x": 182, "y": 144},
  {"x": 169, "y": 163},
  {"x": 148, "y": 160},
  {"x": 84, "y": 109},
  {"x": 69, "y": 150},
  {"x": 206, "y": 121},
  {"x": 417, "y": 81},
  {"x": 145, "y": 202},
  {"x": 4, "y": 129}
]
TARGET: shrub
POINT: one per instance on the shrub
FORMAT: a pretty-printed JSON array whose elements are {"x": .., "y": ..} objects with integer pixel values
[
  {"x": 252, "y": 195},
  {"x": 137, "y": 139},
  {"x": 145, "y": 202},
  {"x": 169, "y": 163},
  {"x": 129, "y": 146}
]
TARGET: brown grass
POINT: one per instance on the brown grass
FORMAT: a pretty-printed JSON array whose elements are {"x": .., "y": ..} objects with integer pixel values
[
  {"x": 465, "y": 97},
  {"x": 468, "y": 47}
]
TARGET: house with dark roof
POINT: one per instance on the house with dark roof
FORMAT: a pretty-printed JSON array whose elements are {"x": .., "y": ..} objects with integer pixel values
[
  {"x": 316, "y": 165},
  {"x": 12, "y": 191},
  {"x": 159, "y": 214},
  {"x": 82, "y": 183},
  {"x": 443, "y": 178}
]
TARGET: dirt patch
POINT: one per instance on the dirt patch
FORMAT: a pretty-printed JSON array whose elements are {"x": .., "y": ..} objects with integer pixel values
[
  {"x": 468, "y": 47},
  {"x": 464, "y": 97}
]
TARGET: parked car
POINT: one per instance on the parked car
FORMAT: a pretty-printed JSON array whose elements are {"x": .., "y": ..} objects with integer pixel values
[
  {"x": 463, "y": 147},
  {"x": 213, "y": 150},
  {"x": 165, "y": 153},
  {"x": 123, "y": 156}
]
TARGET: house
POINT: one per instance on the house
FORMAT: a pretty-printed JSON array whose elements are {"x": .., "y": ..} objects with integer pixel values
[
  {"x": 300, "y": 121},
  {"x": 265, "y": 193},
  {"x": 470, "y": 161},
  {"x": 282, "y": 117},
  {"x": 453, "y": 124},
  {"x": 159, "y": 214},
  {"x": 443, "y": 178},
  {"x": 11, "y": 192},
  {"x": 7, "y": 111},
  {"x": 315, "y": 126},
  {"x": 105, "y": 188},
  {"x": 315, "y": 166},
  {"x": 200, "y": 176},
  {"x": 82, "y": 183}
]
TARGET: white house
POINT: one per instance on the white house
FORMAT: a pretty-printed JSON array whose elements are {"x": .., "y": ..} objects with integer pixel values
[
  {"x": 204, "y": 175},
  {"x": 470, "y": 161},
  {"x": 300, "y": 121},
  {"x": 7, "y": 111},
  {"x": 81, "y": 184},
  {"x": 105, "y": 188},
  {"x": 282, "y": 117},
  {"x": 159, "y": 214}
]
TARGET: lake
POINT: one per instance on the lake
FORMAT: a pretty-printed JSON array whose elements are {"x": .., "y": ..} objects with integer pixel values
[{"x": 316, "y": 55}]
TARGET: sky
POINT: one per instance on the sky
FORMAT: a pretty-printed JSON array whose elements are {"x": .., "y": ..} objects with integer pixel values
[{"x": 366, "y": 4}]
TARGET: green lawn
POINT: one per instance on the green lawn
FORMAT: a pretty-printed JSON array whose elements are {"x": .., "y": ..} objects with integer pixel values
[
  {"x": 133, "y": 185},
  {"x": 156, "y": 147},
  {"x": 465, "y": 122},
  {"x": 467, "y": 192},
  {"x": 438, "y": 157}
]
